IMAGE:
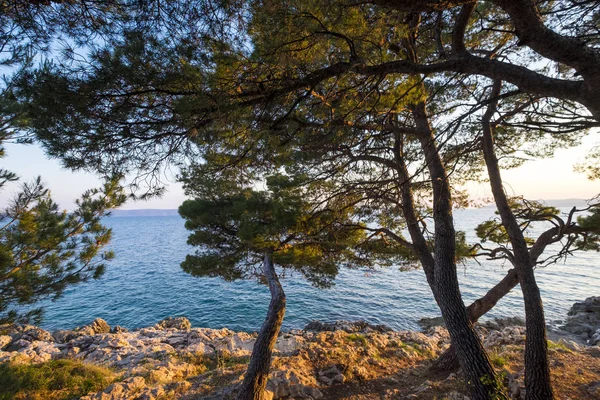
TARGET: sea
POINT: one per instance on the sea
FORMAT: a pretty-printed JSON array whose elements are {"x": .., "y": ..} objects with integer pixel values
[{"x": 145, "y": 283}]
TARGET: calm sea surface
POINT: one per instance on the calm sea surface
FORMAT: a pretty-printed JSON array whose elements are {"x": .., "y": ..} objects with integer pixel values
[{"x": 145, "y": 284}]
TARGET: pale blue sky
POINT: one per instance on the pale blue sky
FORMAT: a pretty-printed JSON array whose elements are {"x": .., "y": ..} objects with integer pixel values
[{"x": 543, "y": 179}]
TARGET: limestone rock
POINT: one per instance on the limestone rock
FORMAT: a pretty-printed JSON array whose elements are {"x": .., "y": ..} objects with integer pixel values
[
  {"x": 331, "y": 376},
  {"x": 98, "y": 326},
  {"x": 516, "y": 386},
  {"x": 427, "y": 323},
  {"x": 287, "y": 344},
  {"x": 512, "y": 335},
  {"x": 295, "y": 382},
  {"x": 595, "y": 339},
  {"x": 129, "y": 389},
  {"x": 118, "y": 329},
  {"x": 584, "y": 320},
  {"x": 499, "y": 324},
  {"x": 589, "y": 305},
  {"x": 4, "y": 341},
  {"x": 29, "y": 333},
  {"x": 178, "y": 323},
  {"x": 346, "y": 326},
  {"x": 239, "y": 344},
  {"x": 63, "y": 336},
  {"x": 170, "y": 372}
]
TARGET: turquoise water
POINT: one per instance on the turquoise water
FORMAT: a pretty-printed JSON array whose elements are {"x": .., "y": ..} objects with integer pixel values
[{"x": 145, "y": 284}]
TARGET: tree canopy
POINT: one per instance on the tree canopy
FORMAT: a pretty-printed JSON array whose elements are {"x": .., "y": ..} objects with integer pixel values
[
  {"x": 44, "y": 249},
  {"x": 390, "y": 104},
  {"x": 235, "y": 226}
]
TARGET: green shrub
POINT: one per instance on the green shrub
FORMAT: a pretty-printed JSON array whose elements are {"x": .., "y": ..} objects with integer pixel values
[
  {"x": 357, "y": 338},
  {"x": 558, "y": 346},
  {"x": 52, "y": 380},
  {"x": 498, "y": 360}
]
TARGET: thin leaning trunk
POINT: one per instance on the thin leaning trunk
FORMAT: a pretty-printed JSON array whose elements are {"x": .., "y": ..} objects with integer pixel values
[
  {"x": 537, "y": 370},
  {"x": 255, "y": 380}
]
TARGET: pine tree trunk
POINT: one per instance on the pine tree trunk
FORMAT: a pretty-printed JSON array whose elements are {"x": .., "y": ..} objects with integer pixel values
[
  {"x": 537, "y": 371},
  {"x": 255, "y": 380},
  {"x": 441, "y": 271},
  {"x": 448, "y": 361},
  {"x": 480, "y": 374}
]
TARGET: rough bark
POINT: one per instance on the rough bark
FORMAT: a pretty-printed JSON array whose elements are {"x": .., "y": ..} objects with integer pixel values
[
  {"x": 410, "y": 215},
  {"x": 483, "y": 383},
  {"x": 255, "y": 380},
  {"x": 443, "y": 280},
  {"x": 537, "y": 371},
  {"x": 448, "y": 361}
]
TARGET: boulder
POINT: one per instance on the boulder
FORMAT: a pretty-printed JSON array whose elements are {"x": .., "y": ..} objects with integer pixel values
[
  {"x": 129, "y": 389},
  {"x": 584, "y": 320},
  {"x": 97, "y": 326},
  {"x": 30, "y": 333},
  {"x": 589, "y": 305},
  {"x": 118, "y": 329},
  {"x": 346, "y": 326},
  {"x": 331, "y": 376},
  {"x": 177, "y": 323},
  {"x": 4, "y": 341}
]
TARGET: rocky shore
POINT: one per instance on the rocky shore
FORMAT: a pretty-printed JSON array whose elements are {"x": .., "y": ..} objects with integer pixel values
[{"x": 325, "y": 360}]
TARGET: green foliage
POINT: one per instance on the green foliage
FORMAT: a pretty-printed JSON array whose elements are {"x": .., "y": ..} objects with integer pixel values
[
  {"x": 590, "y": 224},
  {"x": 357, "y": 338},
  {"x": 526, "y": 212},
  {"x": 52, "y": 380},
  {"x": 43, "y": 249},
  {"x": 235, "y": 228},
  {"x": 497, "y": 360},
  {"x": 497, "y": 388},
  {"x": 558, "y": 346},
  {"x": 591, "y": 164}
]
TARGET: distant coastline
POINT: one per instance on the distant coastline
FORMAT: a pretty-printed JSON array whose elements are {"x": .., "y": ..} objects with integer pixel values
[
  {"x": 166, "y": 212},
  {"x": 150, "y": 212},
  {"x": 579, "y": 203}
]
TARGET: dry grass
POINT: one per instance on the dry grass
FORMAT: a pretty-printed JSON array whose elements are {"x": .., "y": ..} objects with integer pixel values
[{"x": 52, "y": 380}]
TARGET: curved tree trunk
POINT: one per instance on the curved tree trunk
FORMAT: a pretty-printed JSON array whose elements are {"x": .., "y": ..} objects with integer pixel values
[
  {"x": 255, "y": 380},
  {"x": 537, "y": 370},
  {"x": 448, "y": 361}
]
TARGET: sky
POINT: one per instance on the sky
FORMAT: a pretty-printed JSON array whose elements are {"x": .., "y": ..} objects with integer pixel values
[{"x": 552, "y": 178}]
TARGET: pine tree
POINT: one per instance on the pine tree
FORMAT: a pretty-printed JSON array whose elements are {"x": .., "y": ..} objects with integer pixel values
[
  {"x": 327, "y": 83},
  {"x": 237, "y": 229},
  {"x": 44, "y": 250}
]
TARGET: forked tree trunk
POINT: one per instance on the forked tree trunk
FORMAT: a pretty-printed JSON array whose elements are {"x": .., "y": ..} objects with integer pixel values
[
  {"x": 537, "y": 371},
  {"x": 482, "y": 379},
  {"x": 442, "y": 276},
  {"x": 448, "y": 361},
  {"x": 255, "y": 380}
]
